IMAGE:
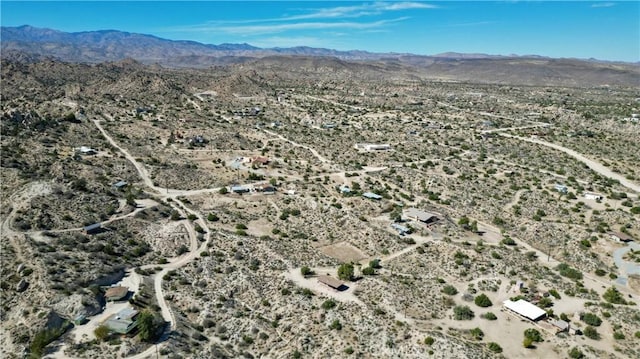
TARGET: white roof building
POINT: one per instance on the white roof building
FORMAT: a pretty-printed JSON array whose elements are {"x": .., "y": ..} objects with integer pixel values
[{"x": 525, "y": 309}]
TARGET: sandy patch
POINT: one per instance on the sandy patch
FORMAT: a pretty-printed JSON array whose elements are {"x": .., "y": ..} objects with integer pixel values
[{"x": 343, "y": 251}]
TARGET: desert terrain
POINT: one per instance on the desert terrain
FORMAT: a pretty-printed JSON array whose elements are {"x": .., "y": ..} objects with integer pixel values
[{"x": 315, "y": 208}]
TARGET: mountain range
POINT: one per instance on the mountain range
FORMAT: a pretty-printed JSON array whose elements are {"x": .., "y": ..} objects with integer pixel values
[{"x": 27, "y": 43}]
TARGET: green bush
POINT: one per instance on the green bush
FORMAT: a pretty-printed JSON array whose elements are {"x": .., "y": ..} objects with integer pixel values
[
  {"x": 566, "y": 271},
  {"x": 335, "y": 325},
  {"x": 345, "y": 271},
  {"x": 575, "y": 353},
  {"x": 591, "y": 332},
  {"x": 591, "y": 319},
  {"x": 494, "y": 347},
  {"x": 612, "y": 295},
  {"x": 618, "y": 336},
  {"x": 450, "y": 290},
  {"x": 477, "y": 333},
  {"x": 429, "y": 340},
  {"x": 329, "y": 304},
  {"x": 489, "y": 316},
  {"x": 483, "y": 301},
  {"x": 305, "y": 271},
  {"x": 462, "y": 312},
  {"x": 554, "y": 293},
  {"x": 368, "y": 271},
  {"x": 533, "y": 334}
]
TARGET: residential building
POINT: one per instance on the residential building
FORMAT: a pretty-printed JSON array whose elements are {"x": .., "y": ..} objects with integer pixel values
[
  {"x": 422, "y": 216},
  {"x": 331, "y": 282},
  {"x": 122, "y": 322},
  {"x": 620, "y": 237}
]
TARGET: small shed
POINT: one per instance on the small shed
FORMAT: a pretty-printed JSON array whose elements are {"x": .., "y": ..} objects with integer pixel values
[
  {"x": 561, "y": 188},
  {"x": 594, "y": 196},
  {"x": 560, "y": 325},
  {"x": 80, "y": 319},
  {"x": 331, "y": 282},
  {"x": 371, "y": 195},
  {"x": 116, "y": 293},
  {"x": 402, "y": 230},
  {"x": 120, "y": 185},
  {"x": 93, "y": 228}
]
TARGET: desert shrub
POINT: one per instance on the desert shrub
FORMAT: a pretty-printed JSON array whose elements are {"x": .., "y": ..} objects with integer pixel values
[
  {"x": 483, "y": 301},
  {"x": 429, "y": 340},
  {"x": 329, "y": 304},
  {"x": 533, "y": 334},
  {"x": 591, "y": 319},
  {"x": 305, "y": 271},
  {"x": 494, "y": 347},
  {"x": 566, "y": 271},
  {"x": 462, "y": 312},
  {"x": 591, "y": 332},
  {"x": 336, "y": 325},
  {"x": 368, "y": 271},
  {"x": 613, "y": 295},
  {"x": 576, "y": 353},
  {"x": 489, "y": 316},
  {"x": 477, "y": 333},
  {"x": 450, "y": 290}
]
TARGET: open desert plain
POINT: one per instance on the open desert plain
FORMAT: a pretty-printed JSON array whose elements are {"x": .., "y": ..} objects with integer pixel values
[{"x": 276, "y": 205}]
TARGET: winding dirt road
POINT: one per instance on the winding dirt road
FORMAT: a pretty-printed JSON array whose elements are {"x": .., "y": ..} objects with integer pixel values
[{"x": 593, "y": 165}]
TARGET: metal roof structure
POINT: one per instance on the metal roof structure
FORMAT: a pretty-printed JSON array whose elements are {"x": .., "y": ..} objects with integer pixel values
[
  {"x": 525, "y": 309},
  {"x": 371, "y": 195},
  {"x": 420, "y": 215}
]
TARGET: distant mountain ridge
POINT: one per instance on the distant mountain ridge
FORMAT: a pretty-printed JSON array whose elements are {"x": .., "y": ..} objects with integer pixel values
[
  {"x": 113, "y": 45},
  {"x": 32, "y": 44}
]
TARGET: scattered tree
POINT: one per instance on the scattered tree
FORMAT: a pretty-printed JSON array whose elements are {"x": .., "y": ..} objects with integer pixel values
[{"x": 345, "y": 271}]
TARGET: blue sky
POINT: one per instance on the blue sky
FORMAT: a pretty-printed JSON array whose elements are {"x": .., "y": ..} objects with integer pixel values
[{"x": 596, "y": 29}]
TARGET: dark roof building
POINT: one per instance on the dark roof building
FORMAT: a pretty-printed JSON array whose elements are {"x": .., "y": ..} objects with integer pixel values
[
  {"x": 331, "y": 282},
  {"x": 93, "y": 228},
  {"x": 620, "y": 237},
  {"x": 422, "y": 216}
]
